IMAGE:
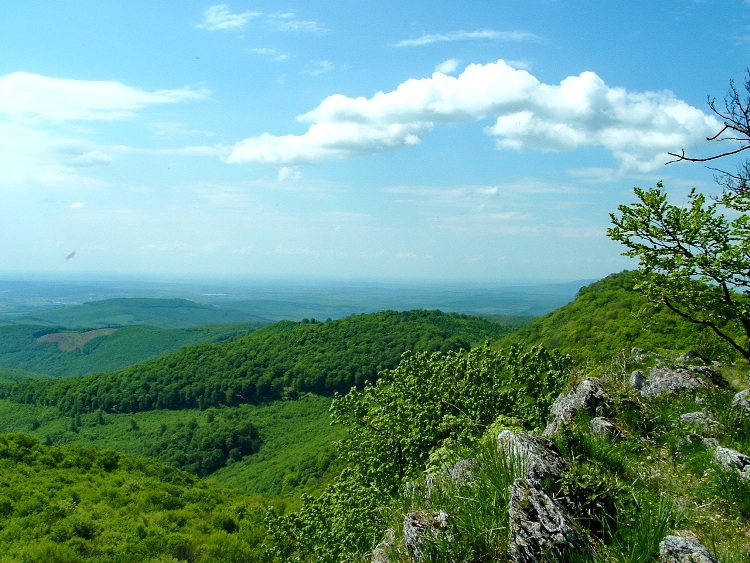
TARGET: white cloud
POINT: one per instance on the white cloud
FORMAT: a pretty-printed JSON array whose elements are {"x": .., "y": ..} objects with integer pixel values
[
  {"x": 319, "y": 67},
  {"x": 288, "y": 21},
  {"x": 274, "y": 54},
  {"x": 447, "y": 67},
  {"x": 77, "y": 205},
  {"x": 638, "y": 128},
  {"x": 515, "y": 36},
  {"x": 27, "y": 97},
  {"x": 92, "y": 158},
  {"x": 218, "y": 18}
]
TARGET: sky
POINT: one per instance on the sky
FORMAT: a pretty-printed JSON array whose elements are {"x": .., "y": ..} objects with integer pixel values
[{"x": 483, "y": 141}]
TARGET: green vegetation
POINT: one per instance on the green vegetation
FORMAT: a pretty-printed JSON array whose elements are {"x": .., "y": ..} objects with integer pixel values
[
  {"x": 160, "y": 313},
  {"x": 611, "y": 316},
  {"x": 55, "y": 352},
  {"x": 296, "y": 439},
  {"x": 71, "y": 504},
  {"x": 270, "y": 363},
  {"x": 421, "y": 414},
  {"x": 694, "y": 260}
]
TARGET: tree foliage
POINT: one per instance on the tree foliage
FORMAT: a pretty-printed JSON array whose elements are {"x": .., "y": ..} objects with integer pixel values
[
  {"x": 695, "y": 259},
  {"x": 414, "y": 415},
  {"x": 280, "y": 360},
  {"x": 74, "y": 504}
]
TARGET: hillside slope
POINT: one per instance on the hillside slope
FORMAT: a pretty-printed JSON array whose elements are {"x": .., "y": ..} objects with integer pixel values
[
  {"x": 61, "y": 353},
  {"x": 276, "y": 361},
  {"x": 609, "y": 316},
  {"x": 161, "y": 313}
]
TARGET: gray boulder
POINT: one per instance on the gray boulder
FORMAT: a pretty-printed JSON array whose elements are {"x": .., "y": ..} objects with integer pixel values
[
  {"x": 637, "y": 380},
  {"x": 418, "y": 526},
  {"x": 742, "y": 400},
  {"x": 676, "y": 549},
  {"x": 540, "y": 529},
  {"x": 638, "y": 354},
  {"x": 732, "y": 458},
  {"x": 588, "y": 395},
  {"x": 701, "y": 421},
  {"x": 673, "y": 381},
  {"x": 604, "y": 427},
  {"x": 537, "y": 457},
  {"x": 382, "y": 551}
]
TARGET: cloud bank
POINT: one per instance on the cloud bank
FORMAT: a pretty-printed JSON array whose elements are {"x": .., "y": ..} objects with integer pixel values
[
  {"x": 28, "y": 97},
  {"x": 638, "y": 128}
]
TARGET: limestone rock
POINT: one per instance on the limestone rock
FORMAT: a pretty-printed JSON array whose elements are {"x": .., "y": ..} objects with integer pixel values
[
  {"x": 637, "y": 380},
  {"x": 538, "y": 457},
  {"x": 588, "y": 394},
  {"x": 674, "y": 381},
  {"x": 418, "y": 525},
  {"x": 732, "y": 458},
  {"x": 676, "y": 549},
  {"x": 638, "y": 354},
  {"x": 604, "y": 427},
  {"x": 540, "y": 529},
  {"x": 702, "y": 421},
  {"x": 742, "y": 400},
  {"x": 381, "y": 553}
]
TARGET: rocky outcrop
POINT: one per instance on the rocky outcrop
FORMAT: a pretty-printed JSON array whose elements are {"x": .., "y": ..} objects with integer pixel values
[
  {"x": 588, "y": 395},
  {"x": 676, "y": 549},
  {"x": 540, "y": 529},
  {"x": 733, "y": 459},
  {"x": 604, "y": 427},
  {"x": 701, "y": 421},
  {"x": 673, "y": 381},
  {"x": 742, "y": 400},
  {"x": 538, "y": 458},
  {"x": 382, "y": 551},
  {"x": 418, "y": 526}
]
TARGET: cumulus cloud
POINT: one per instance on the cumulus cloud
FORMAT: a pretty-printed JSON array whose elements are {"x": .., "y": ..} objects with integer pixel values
[
  {"x": 491, "y": 34},
  {"x": 28, "y": 97},
  {"x": 638, "y": 128},
  {"x": 447, "y": 67},
  {"x": 218, "y": 18}
]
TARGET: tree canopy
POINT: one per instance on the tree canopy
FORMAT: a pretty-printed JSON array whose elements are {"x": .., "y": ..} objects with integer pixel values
[{"x": 696, "y": 258}]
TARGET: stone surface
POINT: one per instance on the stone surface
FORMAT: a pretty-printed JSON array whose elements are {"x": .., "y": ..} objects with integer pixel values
[
  {"x": 676, "y": 549},
  {"x": 419, "y": 525},
  {"x": 638, "y": 354},
  {"x": 701, "y": 421},
  {"x": 637, "y": 380},
  {"x": 604, "y": 427},
  {"x": 540, "y": 529},
  {"x": 732, "y": 458},
  {"x": 588, "y": 395},
  {"x": 538, "y": 457},
  {"x": 674, "y": 381},
  {"x": 381, "y": 553},
  {"x": 742, "y": 400}
]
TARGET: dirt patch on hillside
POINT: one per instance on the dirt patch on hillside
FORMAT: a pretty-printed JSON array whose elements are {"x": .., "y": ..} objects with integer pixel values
[{"x": 69, "y": 341}]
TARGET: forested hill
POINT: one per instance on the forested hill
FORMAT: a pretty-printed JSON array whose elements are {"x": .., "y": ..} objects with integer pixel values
[
  {"x": 609, "y": 316},
  {"x": 280, "y": 360}
]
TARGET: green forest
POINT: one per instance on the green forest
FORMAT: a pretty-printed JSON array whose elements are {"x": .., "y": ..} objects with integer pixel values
[{"x": 294, "y": 441}]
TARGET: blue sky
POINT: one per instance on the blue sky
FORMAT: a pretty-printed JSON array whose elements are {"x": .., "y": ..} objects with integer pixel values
[{"x": 481, "y": 141}]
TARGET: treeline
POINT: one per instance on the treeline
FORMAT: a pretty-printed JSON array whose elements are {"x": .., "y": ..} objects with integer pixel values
[{"x": 281, "y": 360}]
